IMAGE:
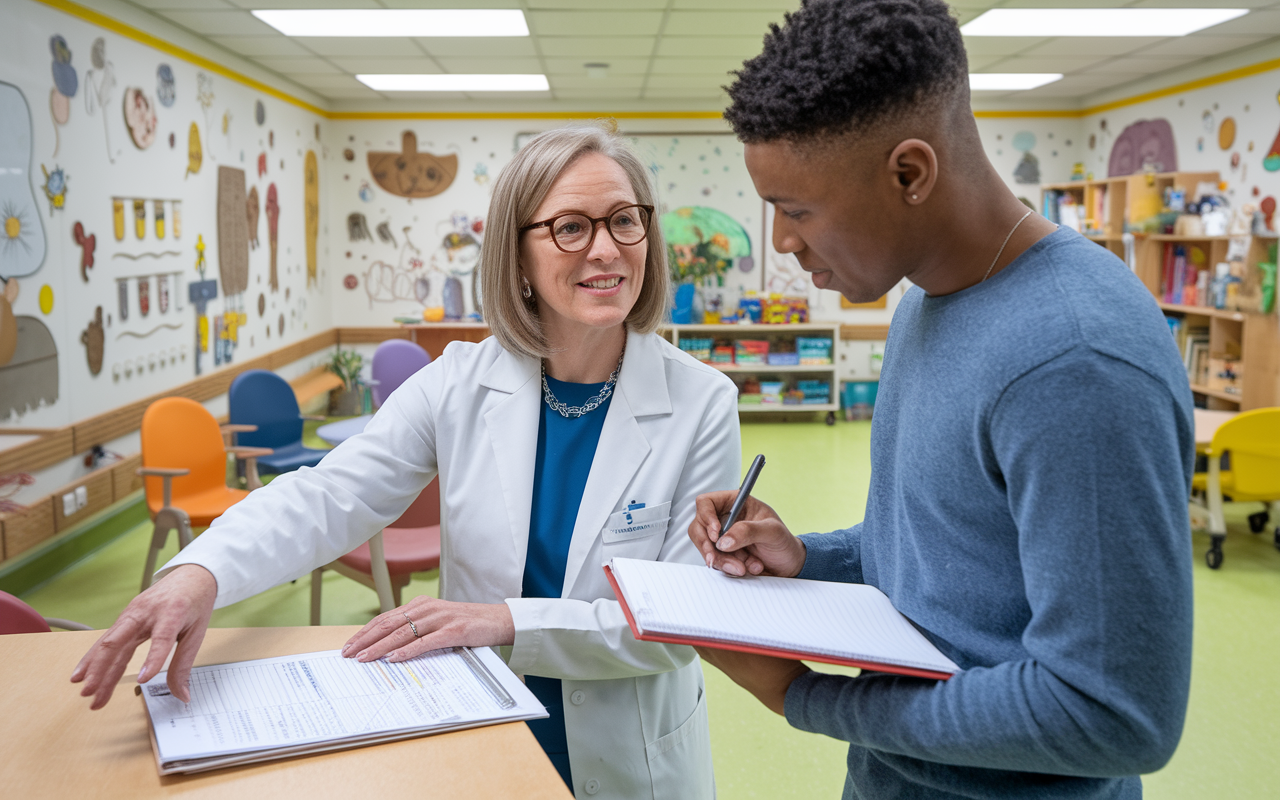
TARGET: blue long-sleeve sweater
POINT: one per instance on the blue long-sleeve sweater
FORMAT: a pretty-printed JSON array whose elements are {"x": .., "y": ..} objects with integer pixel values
[{"x": 1031, "y": 456}]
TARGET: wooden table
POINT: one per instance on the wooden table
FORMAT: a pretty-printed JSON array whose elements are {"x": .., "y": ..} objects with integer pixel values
[
  {"x": 52, "y": 746},
  {"x": 1207, "y": 424},
  {"x": 434, "y": 336}
]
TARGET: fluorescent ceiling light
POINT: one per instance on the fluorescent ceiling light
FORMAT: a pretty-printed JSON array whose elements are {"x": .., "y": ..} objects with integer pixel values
[
  {"x": 1010, "y": 81},
  {"x": 427, "y": 22},
  {"x": 456, "y": 83},
  {"x": 1098, "y": 21}
]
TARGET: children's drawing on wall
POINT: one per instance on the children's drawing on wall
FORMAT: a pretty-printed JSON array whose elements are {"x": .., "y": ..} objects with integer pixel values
[
  {"x": 365, "y": 192},
  {"x": 22, "y": 242},
  {"x": 1226, "y": 133},
  {"x": 1145, "y": 146},
  {"x": 87, "y": 245},
  {"x": 385, "y": 234},
  {"x": 46, "y": 299},
  {"x": 28, "y": 359},
  {"x": 166, "y": 88},
  {"x": 101, "y": 81},
  {"x": 251, "y": 217},
  {"x": 65, "y": 85},
  {"x": 357, "y": 227},
  {"x": 1028, "y": 169},
  {"x": 200, "y": 293},
  {"x": 93, "y": 340},
  {"x": 703, "y": 244},
  {"x": 233, "y": 232},
  {"x": 1271, "y": 162},
  {"x": 455, "y": 260},
  {"x": 55, "y": 187},
  {"x": 144, "y": 295},
  {"x": 259, "y": 112},
  {"x": 205, "y": 97},
  {"x": 140, "y": 118},
  {"x": 412, "y": 173},
  {"x": 157, "y": 207},
  {"x": 140, "y": 219},
  {"x": 406, "y": 280},
  {"x": 273, "y": 232},
  {"x": 195, "y": 154},
  {"x": 311, "y": 211}
]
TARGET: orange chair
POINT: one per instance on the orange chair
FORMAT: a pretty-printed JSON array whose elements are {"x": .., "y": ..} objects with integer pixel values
[
  {"x": 184, "y": 469},
  {"x": 386, "y": 562}
]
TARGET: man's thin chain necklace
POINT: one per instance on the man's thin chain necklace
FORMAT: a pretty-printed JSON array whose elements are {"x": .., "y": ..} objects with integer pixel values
[
  {"x": 573, "y": 412},
  {"x": 1003, "y": 246}
]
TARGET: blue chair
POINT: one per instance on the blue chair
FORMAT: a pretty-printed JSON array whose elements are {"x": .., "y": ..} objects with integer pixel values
[
  {"x": 263, "y": 399},
  {"x": 394, "y": 362}
]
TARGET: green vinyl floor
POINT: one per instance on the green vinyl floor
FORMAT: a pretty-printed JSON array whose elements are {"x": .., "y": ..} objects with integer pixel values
[{"x": 817, "y": 480}]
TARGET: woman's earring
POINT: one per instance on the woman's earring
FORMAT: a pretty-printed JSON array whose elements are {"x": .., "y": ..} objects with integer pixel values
[
  {"x": 915, "y": 197},
  {"x": 525, "y": 288}
]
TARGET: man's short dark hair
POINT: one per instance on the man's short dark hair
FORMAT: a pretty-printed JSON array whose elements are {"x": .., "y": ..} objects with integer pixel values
[{"x": 840, "y": 66}]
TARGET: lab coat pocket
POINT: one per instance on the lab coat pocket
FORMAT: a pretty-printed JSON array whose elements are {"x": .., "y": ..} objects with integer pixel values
[
  {"x": 680, "y": 762},
  {"x": 639, "y": 523}
]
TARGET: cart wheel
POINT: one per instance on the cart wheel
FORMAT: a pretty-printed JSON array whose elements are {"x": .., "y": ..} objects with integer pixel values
[
  {"x": 1213, "y": 557},
  {"x": 831, "y": 418},
  {"x": 1258, "y": 521}
]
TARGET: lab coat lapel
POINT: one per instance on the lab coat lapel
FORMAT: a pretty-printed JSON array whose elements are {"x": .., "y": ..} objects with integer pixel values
[{"x": 513, "y": 431}]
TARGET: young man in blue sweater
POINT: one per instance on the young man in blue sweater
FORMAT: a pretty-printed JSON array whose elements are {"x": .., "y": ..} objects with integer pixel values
[{"x": 1032, "y": 445}]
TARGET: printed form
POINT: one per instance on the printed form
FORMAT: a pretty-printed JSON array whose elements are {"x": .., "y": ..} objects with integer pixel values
[{"x": 289, "y": 702}]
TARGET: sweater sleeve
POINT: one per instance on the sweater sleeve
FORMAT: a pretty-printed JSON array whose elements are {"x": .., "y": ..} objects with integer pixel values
[
  {"x": 1095, "y": 457},
  {"x": 835, "y": 556}
]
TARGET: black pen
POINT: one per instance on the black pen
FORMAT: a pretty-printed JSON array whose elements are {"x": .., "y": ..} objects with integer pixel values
[{"x": 744, "y": 491}]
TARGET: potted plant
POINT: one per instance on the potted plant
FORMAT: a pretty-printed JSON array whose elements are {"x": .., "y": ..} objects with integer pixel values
[{"x": 347, "y": 401}]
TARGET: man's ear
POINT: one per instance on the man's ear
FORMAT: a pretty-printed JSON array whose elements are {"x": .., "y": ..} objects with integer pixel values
[{"x": 914, "y": 165}]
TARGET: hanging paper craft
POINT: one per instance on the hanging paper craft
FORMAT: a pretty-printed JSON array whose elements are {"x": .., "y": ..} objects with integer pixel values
[
  {"x": 158, "y": 205},
  {"x": 357, "y": 227},
  {"x": 162, "y": 293},
  {"x": 262, "y": 164},
  {"x": 177, "y": 219},
  {"x": 251, "y": 216},
  {"x": 55, "y": 187},
  {"x": 144, "y": 295},
  {"x": 98, "y": 95},
  {"x": 233, "y": 233},
  {"x": 273, "y": 229},
  {"x": 166, "y": 92},
  {"x": 410, "y": 173},
  {"x": 87, "y": 245},
  {"x": 139, "y": 118},
  {"x": 93, "y": 338},
  {"x": 117, "y": 217},
  {"x": 311, "y": 210},
  {"x": 22, "y": 244},
  {"x": 195, "y": 156},
  {"x": 28, "y": 359},
  {"x": 122, "y": 299},
  {"x": 384, "y": 233},
  {"x": 140, "y": 218},
  {"x": 1146, "y": 145}
]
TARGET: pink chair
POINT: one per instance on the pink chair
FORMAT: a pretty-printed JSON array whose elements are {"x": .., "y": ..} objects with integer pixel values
[
  {"x": 18, "y": 617},
  {"x": 387, "y": 561}
]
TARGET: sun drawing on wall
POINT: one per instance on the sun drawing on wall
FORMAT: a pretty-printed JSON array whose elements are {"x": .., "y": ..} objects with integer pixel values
[{"x": 16, "y": 230}]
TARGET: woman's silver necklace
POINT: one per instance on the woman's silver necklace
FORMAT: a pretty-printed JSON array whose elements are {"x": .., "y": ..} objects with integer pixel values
[
  {"x": 1003, "y": 246},
  {"x": 573, "y": 412}
]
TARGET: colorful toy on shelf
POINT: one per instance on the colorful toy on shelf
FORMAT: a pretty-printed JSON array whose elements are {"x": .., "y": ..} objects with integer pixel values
[
  {"x": 750, "y": 309},
  {"x": 751, "y": 351},
  {"x": 781, "y": 310},
  {"x": 814, "y": 350}
]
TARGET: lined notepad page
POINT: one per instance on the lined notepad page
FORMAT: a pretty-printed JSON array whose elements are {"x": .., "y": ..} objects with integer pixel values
[{"x": 844, "y": 620}]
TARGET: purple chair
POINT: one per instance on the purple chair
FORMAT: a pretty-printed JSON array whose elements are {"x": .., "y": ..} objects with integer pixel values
[
  {"x": 18, "y": 617},
  {"x": 393, "y": 362}
]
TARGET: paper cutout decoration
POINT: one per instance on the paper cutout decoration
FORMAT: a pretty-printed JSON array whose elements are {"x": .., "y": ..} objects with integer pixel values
[
  {"x": 166, "y": 90},
  {"x": 8, "y": 322},
  {"x": 411, "y": 173},
  {"x": 55, "y": 187},
  {"x": 195, "y": 156},
  {"x": 60, "y": 110},
  {"x": 262, "y": 164},
  {"x": 349, "y": 154},
  {"x": 117, "y": 217},
  {"x": 365, "y": 192},
  {"x": 177, "y": 218},
  {"x": 259, "y": 112},
  {"x": 200, "y": 293},
  {"x": 262, "y": 304},
  {"x": 205, "y": 97},
  {"x": 1146, "y": 145},
  {"x": 98, "y": 94},
  {"x": 233, "y": 231},
  {"x": 273, "y": 231},
  {"x": 350, "y": 282},
  {"x": 87, "y": 245},
  {"x": 1227, "y": 133},
  {"x": 144, "y": 295},
  {"x": 453, "y": 307},
  {"x": 93, "y": 339},
  {"x": 140, "y": 219},
  {"x": 162, "y": 293},
  {"x": 29, "y": 375},
  {"x": 22, "y": 244},
  {"x": 158, "y": 206},
  {"x": 384, "y": 233},
  {"x": 251, "y": 217},
  {"x": 139, "y": 118},
  {"x": 1272, "y": 162},
  {"x": 46, "y": 299},
  {"x": 122, "y": 299},
  {"x": 357, "y": 227},
  {"x": 65, "y": 84},
  {"x": 311, "y": 210}
]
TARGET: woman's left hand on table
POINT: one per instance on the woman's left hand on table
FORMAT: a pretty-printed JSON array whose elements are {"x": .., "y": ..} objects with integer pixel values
[{"x": 440, "y": 624}]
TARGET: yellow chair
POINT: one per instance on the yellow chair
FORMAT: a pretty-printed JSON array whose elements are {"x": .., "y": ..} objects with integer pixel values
[{"x": 1253, "y": 441}]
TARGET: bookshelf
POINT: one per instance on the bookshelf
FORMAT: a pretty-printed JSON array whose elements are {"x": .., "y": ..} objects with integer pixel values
[{"x": 1237, "y": 366}]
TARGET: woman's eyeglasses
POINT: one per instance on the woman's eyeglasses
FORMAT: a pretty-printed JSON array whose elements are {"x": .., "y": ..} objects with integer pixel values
[{"x": 573, "y": 233}]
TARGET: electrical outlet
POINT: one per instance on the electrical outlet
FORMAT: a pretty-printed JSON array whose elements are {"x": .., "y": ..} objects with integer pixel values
[
  {"x": 68, "y": 504},
  {"x": 82, "y": 497}
]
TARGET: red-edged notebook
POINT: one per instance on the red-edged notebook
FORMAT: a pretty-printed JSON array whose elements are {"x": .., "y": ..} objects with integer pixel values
[{"x": 835, "y": 623}]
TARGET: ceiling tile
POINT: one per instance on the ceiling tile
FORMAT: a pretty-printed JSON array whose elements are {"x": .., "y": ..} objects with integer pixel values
[
  {"x": 696, "y": 66},
  {"x": 1201, "y": 45},
  {"x": 741, "y": 47},
  {"x": 594, "y": 23},
  {"x": 708, "y": 82},
  {"x": 710, "y": 94},
  {"x": 219, "y": 23},
  {"x": 1203, "y": 3},
  {"x": 309, "y": 65},
  {"x": 328, "y": 81},
  {"x": 720, "y": 23},
  {"x": 1063, "y": 3},
  {"x": 978, "y": 63},
  {"x": 1000, "y": 45},
  {"x": 617, "y": 66},
  {"x": 492, "y": 66},
  {"x": 357, "y": 93},
  {"x": 593, "y": 46},
  {"x": 612, "y": 95},
  {"x": 1063, "y": 64},
  {"x": 594, "y": 5},
  {"x": 1140, "y": 65},
  {"x": 583, "y": 82},
  {"x": 273, "y": 45},
  {"x": 390, "y": 66},
  {"x": 1250, "y": 24},
  {"x": 1089, "y": 46},
  {"x": 294, "y": 4},
  {"x": 359, "y": 46},
  {"x": 451, "y": 3},
  {"x": 186, "y": 5},
  {"x": 495, "y": 46},
  {"x": 723, "y": 5}
]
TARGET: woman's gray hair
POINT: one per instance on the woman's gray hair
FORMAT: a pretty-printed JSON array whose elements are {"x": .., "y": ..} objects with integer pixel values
[{"x": 520, "y": 188}]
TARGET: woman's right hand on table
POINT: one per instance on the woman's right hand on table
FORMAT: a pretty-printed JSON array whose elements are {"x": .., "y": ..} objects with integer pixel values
[{"x": 176, "y": 609}]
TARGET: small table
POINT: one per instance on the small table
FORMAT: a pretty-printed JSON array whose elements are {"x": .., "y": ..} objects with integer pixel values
[
  {"x": 1207, "y": 424},
  {"x": 52, "y": 745},
  {"x": 335, "y": 433}
]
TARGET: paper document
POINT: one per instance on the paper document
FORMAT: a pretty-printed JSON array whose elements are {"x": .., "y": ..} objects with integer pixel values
[
  {"x": 273, "y": 707},
  {"x": 844, "y": 623}
]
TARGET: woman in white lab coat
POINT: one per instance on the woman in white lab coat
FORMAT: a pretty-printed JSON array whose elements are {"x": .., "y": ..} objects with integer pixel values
[{"x": 572, "y": 436}]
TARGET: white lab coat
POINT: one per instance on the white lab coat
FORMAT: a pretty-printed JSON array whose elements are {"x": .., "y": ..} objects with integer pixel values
[{"x": 635, "y": 712}]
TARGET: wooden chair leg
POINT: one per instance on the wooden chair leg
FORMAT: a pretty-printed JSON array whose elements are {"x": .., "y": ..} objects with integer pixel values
[
  {"x": 316, "y": 586},
  {"x": 381, "y": 576},
  {"x": 395, "y": 593},
  {"x": 159, "y": 535}
]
